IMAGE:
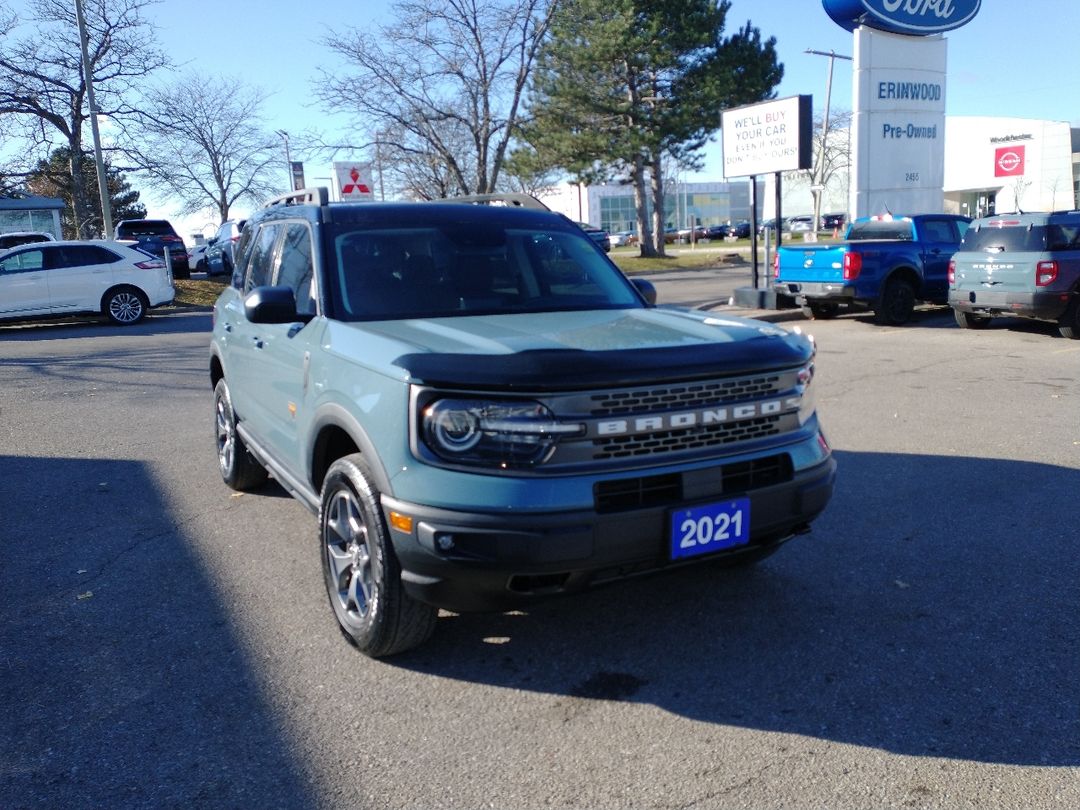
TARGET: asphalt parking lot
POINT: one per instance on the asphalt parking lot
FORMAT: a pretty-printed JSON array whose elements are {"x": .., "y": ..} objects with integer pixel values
[{"x": 166, "y": 642}]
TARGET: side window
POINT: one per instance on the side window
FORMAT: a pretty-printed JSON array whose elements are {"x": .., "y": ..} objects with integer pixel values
[
  {"x": 939, "y": 230},
  {"x": 295, "y": 267},
  {"x": 262, "y": 254},
  {"x": 23, "y": 262},
  {"x": 80, "y": 256},
  {"x": 240, "y": 254},
  {"x": 1063, "y": 236}
]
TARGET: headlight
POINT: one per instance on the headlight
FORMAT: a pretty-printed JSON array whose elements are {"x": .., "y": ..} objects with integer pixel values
[
  {"x": 493, "y": 433},
  {"x": 807, "y": 399}
]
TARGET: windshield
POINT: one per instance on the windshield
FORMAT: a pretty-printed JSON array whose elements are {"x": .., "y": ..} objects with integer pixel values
[{"x": 468, "y": 269}]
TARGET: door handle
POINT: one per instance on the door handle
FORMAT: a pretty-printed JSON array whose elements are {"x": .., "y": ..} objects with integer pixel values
[{"x": 258, "y": 341}]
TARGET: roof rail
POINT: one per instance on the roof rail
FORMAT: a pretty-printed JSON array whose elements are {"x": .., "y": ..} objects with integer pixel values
[
  {"x": 303, "y": 196},
  {"x": 510, "y": 199}
]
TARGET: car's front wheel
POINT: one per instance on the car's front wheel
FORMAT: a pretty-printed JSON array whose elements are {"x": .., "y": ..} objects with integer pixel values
[
  {"x": 361, "y": 571},
  {"x": 125, "y": 305},
  {"x": 238, "y": 467}
]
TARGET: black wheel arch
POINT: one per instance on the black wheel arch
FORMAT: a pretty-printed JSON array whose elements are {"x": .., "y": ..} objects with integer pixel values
[
  {"x": 906, "y": 273},
  {"x": 338, "y": 434}
]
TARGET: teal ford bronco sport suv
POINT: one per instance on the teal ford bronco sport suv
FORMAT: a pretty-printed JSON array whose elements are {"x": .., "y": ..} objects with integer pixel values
[
  {"x": 1019, "y": 265},
  {"x": 483, "y": 411}
]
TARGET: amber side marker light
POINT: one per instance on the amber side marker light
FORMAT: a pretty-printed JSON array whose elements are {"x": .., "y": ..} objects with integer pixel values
[{"x": 401, "y": 522}]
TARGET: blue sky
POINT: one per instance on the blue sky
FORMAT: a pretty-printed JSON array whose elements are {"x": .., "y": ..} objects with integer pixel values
[{"x": 1014, "y": 59}]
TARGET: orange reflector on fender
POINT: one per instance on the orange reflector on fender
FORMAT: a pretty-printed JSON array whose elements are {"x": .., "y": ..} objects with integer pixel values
[{"x": 401, "y": 522}]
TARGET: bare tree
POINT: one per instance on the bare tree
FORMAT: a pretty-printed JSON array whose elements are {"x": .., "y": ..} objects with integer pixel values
[
  {"x": 42, "y": 86},
  {"x": 203, "y": 139},
  {"x": 447, "y": 77}
]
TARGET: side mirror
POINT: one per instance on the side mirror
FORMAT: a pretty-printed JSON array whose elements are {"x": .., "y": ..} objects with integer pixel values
[
  {"x": 271, "y": 305},
  {"x": 646, "y": 290}
]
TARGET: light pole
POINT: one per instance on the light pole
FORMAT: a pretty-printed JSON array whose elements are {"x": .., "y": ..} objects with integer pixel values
[
  {"x": 88, "y": 74},
  {"x": 819, "y": 171},
  {"x": 288, "y": 159}
]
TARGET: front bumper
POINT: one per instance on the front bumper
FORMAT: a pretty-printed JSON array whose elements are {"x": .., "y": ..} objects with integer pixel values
[
  {"x": 509, "y": 559},
  {"x": 1041, "y": 305}
]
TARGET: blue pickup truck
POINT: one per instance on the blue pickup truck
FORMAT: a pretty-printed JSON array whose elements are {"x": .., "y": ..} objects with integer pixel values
[{"x": 885, "y": 264}]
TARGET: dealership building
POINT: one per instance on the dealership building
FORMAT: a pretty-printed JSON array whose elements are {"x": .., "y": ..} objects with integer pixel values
[{"x": 991, "y": 165}]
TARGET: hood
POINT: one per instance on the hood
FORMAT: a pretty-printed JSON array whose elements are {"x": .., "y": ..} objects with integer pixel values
[{"x": 561, "y": 350}]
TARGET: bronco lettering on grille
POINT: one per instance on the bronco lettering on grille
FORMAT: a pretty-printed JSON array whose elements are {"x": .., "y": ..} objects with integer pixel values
[{"x": 688, "y": 419}]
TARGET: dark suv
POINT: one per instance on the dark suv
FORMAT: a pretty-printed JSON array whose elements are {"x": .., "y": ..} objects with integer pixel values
[
  {"x": 484, "y": 412},
  {"x": 221, "y": 252},
  {"x": 1019, "y": 265},
  {"x": 155, "y": 236}
]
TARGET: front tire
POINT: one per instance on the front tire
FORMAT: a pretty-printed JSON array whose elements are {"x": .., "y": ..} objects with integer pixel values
[
  {"x": 896, "y": 304},
  {"x": 125, "y": 306},
  {"x": 361, "y": 571},
  {"x": 238, "y": 467}
]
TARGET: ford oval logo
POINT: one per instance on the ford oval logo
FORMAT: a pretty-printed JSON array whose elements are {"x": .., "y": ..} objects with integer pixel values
[{"x": 916, "y": 17}]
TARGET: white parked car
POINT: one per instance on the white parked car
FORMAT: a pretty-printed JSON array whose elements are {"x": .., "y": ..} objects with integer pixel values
[
  {"x": 47, "y": 279},
  {"x": 197, "y": 260},
  {"x": 16, "y": 238}
]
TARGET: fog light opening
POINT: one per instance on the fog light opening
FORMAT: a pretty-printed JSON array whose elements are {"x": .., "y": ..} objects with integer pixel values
[{"x": 445, "y": 542}]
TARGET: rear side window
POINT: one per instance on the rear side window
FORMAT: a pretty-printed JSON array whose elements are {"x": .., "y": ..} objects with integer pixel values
[{"x": 81, "y": 256}]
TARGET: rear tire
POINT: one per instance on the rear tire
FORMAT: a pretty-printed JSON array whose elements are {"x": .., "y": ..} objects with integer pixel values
[
  {"x": 896, "y": 304},
  {"x": 1069, "y": 325},
  {"x": 966, "y": 320},
  {"x": 125, "y": 306},
  {"x": 238, "y": 467},
  {"x": 361, "y": 572},
  {"x": 821, "y": 310}
]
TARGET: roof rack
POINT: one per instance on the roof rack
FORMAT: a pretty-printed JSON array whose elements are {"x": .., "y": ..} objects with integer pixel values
[
  {"x": 510, "y": 199},
  {"x": 304, "y": 196}
]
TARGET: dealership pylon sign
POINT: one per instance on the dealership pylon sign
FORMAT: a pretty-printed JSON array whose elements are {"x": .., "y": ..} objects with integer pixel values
[{"x": 898, "y": 100}]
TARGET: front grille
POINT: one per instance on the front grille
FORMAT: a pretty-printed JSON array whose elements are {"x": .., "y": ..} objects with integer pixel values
[
  {"x": 687, "y": 395},
  {"x": 635, "y": 493},
  {"x": 735, "y": 478},
  {"x": 674, "y": 441}
]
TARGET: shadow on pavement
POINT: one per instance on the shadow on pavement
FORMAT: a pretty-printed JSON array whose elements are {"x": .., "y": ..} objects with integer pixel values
[
  {"x": 158, "y": 322},
  {"x": 124, "y": 684},
  {"x": 932, "y": 613}
]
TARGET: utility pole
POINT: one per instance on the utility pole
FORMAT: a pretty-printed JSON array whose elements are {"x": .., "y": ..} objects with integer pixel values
[
  {"x": 288, "y": 159},
  {"x": 88, "y": 77},
  {"x": 819, "y": 170}
]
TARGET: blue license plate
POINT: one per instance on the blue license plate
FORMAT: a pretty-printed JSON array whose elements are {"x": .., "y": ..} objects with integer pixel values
[{"x": 712, "y": 527}]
